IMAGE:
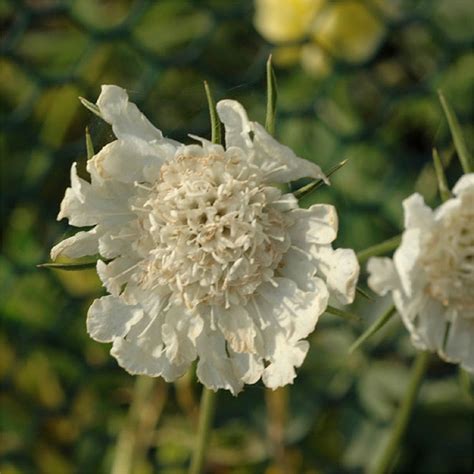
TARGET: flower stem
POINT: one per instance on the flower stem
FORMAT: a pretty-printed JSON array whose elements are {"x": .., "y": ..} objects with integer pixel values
[
  {"x": 206, "y": 415},
  {"x": 374, "y": 327},
  {"x": 385, "y": 460},
  {"x": 379, "y": 249}
]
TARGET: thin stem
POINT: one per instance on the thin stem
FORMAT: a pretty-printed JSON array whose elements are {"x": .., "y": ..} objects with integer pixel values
[
  {"x": 206, "y": 415},
  {"x": 373, "y": 328},
  {"x": 379, "y": 249},
  {"x": 384, "y": 462},
  {"x": 128, "y": 442}
]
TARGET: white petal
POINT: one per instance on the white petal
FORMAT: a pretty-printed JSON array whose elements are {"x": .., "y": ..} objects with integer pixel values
[
  {"x": 316, "y": 225},
  {"x": 238, "y": 328},
  {"x": 141, "y": 352},
  {"x": 382, "y": 275},
  {"x": 279, "y": 162},
  {"x": 417, "y": 213},
  {"x": 296, "y": 311},
  {"x": 281, "y": 371},
  {"x": 405, "y": 259},
  {"x": 179, "y": 333},
  {"x": 215, "y": 369},
  {"x": 86, "y": 204},
  {"x": 431, "y": 324},
  {"x": 236, "y": 123},
  {"x": 460, "y": 343},
  {"x": 116, "y": 274},
  {"x": 124, "y": 116},
  {"x": 465, "y": 184},
  {"x": 128, "y": 161},
  {"x": 299, "y": 267},
  {"x": 108, "y": 318},
  {"x": 79, "y": 245},
  {"x": 343, "y": 275},
  {"x": 246, "y": 367}
]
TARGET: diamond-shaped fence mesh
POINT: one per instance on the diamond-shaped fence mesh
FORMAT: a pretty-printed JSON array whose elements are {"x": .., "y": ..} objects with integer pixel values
[{"x": 63, "y": 398}]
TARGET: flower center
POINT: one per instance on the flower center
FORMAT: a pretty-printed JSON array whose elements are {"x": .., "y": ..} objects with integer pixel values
[
  {"x": 216, "y": 230},
  {"x": 449, "y": 262}
]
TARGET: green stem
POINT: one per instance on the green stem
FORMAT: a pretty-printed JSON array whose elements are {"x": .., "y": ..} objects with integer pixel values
[
  {"x": 376, "y": 325},
  {"x": 206, "y": 415},
  {"x": 379, "y": 249},
  {"x": 384, "y": 462}
]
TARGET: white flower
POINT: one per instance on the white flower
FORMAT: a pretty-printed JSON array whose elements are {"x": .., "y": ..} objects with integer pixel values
[
  {"x": 209, "y": 260},
  {"x": 431, "y": 276}
]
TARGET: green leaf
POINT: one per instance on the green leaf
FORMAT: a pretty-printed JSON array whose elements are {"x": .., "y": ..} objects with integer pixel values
[
  {"x": 379, "y": 249},
  {"x": 92, "y": 107},
  {"x": 442, "y": 184},
  {"x": 342, "y": 314},
  {"x": 456, "y": 133},
  {"x": 373, "y": 328},
  {"x": 71, "y": 267},
  {"x": 272, "y": 96},
  {"x": 89, "y": 145},
  {"x": 215, "y": 124},
  {"x": 308, "y": 188}
]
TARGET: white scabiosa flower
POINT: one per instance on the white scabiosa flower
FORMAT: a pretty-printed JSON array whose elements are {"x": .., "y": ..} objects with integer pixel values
[
  {"x": 206, "y": 259},
  {"x": 431, "y": 276}
]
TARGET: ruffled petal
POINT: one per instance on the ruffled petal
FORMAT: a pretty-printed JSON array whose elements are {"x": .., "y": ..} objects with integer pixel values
[
  {"x": 236, "y": 123},
  {"x": 246, "y": 367},
  {"x": 430, "y": 324},
  {"x": 460, "y": 343},
  {"x": 116, "y": 274},
  {"x": 405, "y": 259},
  {"x": 382, "y": 275},
  {"x": 215, "y": 369},
  {"x": 124, "y": 116},
  {"x": 108, "y": 318},
  {"x": 129, "y": 161},
  {"x": 238, "y": 328},
  {"x": 465, "y": 184},
  {"x": 279, "y": 162},
  {"x": 86, "y": 204},
  {"x": 316, "y": 225},
  {"x": 343, "y": 275},
  {"x": 79, "y": 245},
  {"x": 179, "y": 333},
  {"x": 142, "y": 352},
  {"x": 281, "y": 370},
  {"x": 417, "y": 213},
  {"x": 299, "y": 267},
  {"x": 288, "y": 307}
]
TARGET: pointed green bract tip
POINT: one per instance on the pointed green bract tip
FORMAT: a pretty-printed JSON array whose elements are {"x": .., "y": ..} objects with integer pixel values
[{"x": 215, "y": 124}]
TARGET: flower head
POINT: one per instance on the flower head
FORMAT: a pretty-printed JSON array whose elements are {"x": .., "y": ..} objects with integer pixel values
[
  {"x": 208, "y": 259},
  {"x": 431, "y": 276}
]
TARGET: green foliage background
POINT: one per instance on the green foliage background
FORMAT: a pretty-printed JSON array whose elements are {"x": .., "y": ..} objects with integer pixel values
[{"x": 64, "y": 401}]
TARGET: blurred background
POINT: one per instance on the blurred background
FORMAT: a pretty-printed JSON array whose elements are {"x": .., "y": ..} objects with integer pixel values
[{"x": 357, "y": 79}]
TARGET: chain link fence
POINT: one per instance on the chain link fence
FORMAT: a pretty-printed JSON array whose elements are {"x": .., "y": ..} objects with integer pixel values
[{"x": 63, "y": 398}]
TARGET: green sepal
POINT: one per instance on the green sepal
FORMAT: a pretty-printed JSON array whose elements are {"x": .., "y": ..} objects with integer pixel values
[
  {"x": 310, "y": 187},
  {"x": 342, "y": 314},
  {"x": 215, "y": 124},
  {"x": 89, "y": 145},
  {"x": 92, "y": 107},
  {"x": 272, "y": 97},
  {"x": 455, "y": 128}
]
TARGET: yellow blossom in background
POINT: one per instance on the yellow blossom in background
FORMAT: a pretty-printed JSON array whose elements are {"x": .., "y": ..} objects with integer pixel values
[{"x": 345, "y": 30}]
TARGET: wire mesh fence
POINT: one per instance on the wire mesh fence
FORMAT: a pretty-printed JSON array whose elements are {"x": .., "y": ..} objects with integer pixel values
[{"x": 63, "y": 398}]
